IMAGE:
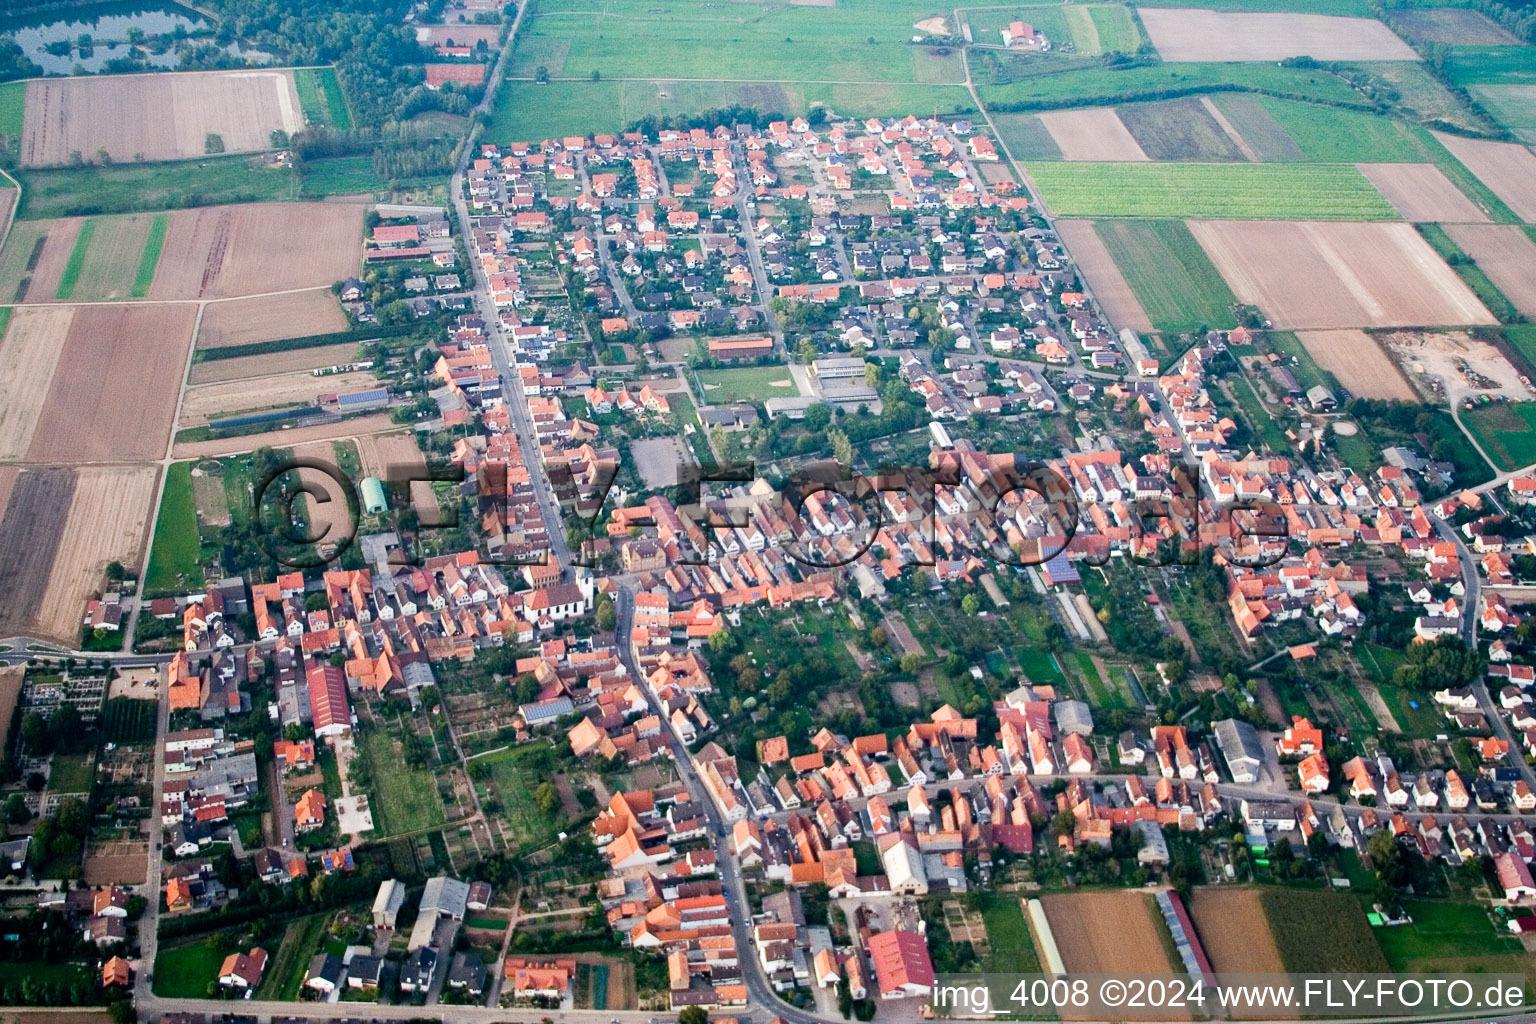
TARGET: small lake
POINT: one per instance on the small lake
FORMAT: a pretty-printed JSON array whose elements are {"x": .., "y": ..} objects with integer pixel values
[{"x": 108, "y": 25}]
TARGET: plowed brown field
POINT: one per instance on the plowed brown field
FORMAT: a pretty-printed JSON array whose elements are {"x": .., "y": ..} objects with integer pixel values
[
  {"x": 225, "y": 251},
  {"x": 1104, "y": 277},
  {"x": 1509, "y": 170},
  {"x": 1421, "y": 193},
  {"x": 29, "y": 357},
  {"x": 1506, "y": 254},
  {"x": 108, "y": 519},
  {"x": 270, "y": 318},
  {"x": 1358, "y": 362},
  {"x": 1093, "y": 134}
]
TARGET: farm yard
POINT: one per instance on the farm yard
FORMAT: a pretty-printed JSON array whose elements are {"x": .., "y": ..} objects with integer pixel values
[
  {"x": 271, "y": 318},
  {"x": 1171, "y": 277},
  {"x": 1109, "y": 285},
  {"x": 1090, "y": 29},
  {"x": 1251, "y": 191},
  {"x": 1325, "y": 275},
  {"x": 1506, "y": 254},
  {"x": 167, "y": 116},
  {"x": 1358, "y": 363},
  {"x": 1420, "y": 192},
  {"x": 1509, "y": 170},
  {"x": 1094, "y": 134},
  {"x": 1187, "y": 35}
]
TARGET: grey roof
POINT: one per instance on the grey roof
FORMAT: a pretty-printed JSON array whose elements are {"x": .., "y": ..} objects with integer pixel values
[
  {"x": 1238, "y": 741},
  {"x": 391, "y": 896},
  {"x": 324, "y": 965},
  {"x": 445, "y": 896},
  {"x": 1073, "y": 716}
]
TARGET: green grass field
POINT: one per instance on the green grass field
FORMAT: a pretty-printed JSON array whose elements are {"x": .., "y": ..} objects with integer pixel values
[
  {"x": 1172, "y": 277},
  {"x": 745, "y": 384},
  {"x": 173, "y": 558},
  {"x": 70, "y": 773},
  {"x": 527, "y": 110},
  {"x": 1011, "y": 82},
  {"x": 183, "y": 972},
  {"x": 1522, "y": 338},
  {"x": 13, "y": 105},
  {"x": 71, "y": 275},
  {"x": 706, "y": 40},
  {"x": 321, "y": 97},
  {"x": 1320, "y": 931},
  {"x": 1506, "y": 430},
  {"x": 1330, "y": 135},
  {"x": 403, "y": 799},
  {"x": 1025, "y": 137},
  {"x": 1236, "y": 191},
  {"x": 1037, "y": 665},
  {"x": 1513, "y": 105},
  {"x": 1258, "y": 127},
  {"x": 1013, "y": 951},
  {"x": 15, "y": 260},
  {"x": 5, "y": 319},
  {"x": 1472, "y": 65},
  {"x": 113, "y": 262},
  {"x": 128, "y": 188},
  {"x": 1445, "y": 934},
  {"x": 151, "y": 256}
]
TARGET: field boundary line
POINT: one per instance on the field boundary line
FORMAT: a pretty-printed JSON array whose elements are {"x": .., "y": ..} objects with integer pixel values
[{"x": 15, "y": 207}]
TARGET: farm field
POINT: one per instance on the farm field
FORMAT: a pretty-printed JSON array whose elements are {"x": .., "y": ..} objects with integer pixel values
[
  {"x": 129, "y": 188},
  {"x": 1282, "y": 191},
  {"x": 1509, "y": 170},
  {"x": 35, "y": 510},
  {"x": 392, "y": 457},
  {"x": 224, "y": 251},
  {"x": 1171, "y": 277},
  {"x": 206, "y": 402},
  {"x": 1025, "y": 137},
  {"x": 113, "y": 393},
  {"x": 29, "y": 357},
  {"x": 217, "y": 447},
  {"x": 1322, "y": 932},
  {"x": 1107, "y": 932},
  {"x": 1455, "y": 25},
  {"x": 173, "y": 557},
  {"x": 403, "y": 799},
  {"x": 714, "y": 41},
  {"x": 1323, "y": 275},
  {"x": 1204, "y": 35},
  {"x": 321, "y": 98},
  {"x": 213, "y": 371},
  {"x": 1257, "y": 127},
  {"x": 1358, "y": 363},
  {"x": 105, "y": 260},
  {"x": 107, "y": 521},
  {"x": 527, "y": 110},
  {"x": 167, "y": 116},
  {"x": 1224, "y": 918},
  {"x": 1506, "y": 254},
  {"x": 1332, "y": 135},
  {"x": 271, "y": 318},
  {"x": 1513, "y": 105},
  {"x": 1506, "y": 431},
  {"x": 1109, "y": 285},
  {"x": 50, "y": 263},
  {"x": 1420, "y": 192},
  {"x": 18, "y": 258},
  {"x": 745, "y": 384},
  {"x": 1092, "y": 134},
  {"x": 1182, "y": 129}
]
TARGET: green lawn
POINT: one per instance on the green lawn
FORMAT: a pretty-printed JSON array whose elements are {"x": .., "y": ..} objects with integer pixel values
[
  {"x": 321, "y": 97},
  {"x": 1239, "y": 191},
  {"x": 1013, "y": 951},
  {"x": 347, "y": 175},
  {"x": 151, "y": 256},
  {"x": 1015, "y": 82},
  {"x": 745, "y": 384},
  {"x": 126, "y": 188},
  {"x": 173, "y": 558},
  {"x": 1510, "y": 65},
  {"x": 1506, "y": 430},
  {"x": 1331, "y": 135},
  {"x": 183, "y": 972},
  {"x": 1522, "y": 338},
  {"x": 1513, "y": 105},
  {"x": 403, "y": 799},
  {"x": 530, "y": 826},
  {"x": 1038, "y": 665},
  {"x": 70, "y": 773},
  {"x": 1443, "y": 931},
  {"x": 71, "y": 275},
  {"x": 1172, "y": 277}
]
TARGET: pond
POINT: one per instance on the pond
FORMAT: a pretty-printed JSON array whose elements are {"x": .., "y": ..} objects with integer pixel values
[{"x": 52, "y": 38}]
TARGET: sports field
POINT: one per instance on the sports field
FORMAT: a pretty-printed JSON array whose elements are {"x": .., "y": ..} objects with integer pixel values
[
  {"x": 1507, "y": 432},
  {"x": 1175, "y": 282},
  {"x": 1250, "y": 191},
  {"x": 745, "y": 384}
]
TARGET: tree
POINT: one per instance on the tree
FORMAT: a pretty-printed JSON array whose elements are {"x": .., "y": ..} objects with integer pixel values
[
  {"x": 541, "y": 75},
  {"x": 970, "y": 604},
  {"x": 842, "y": 448},
  {"x": 16, "y": 812},
  {"x": 1063, "y": 823},
  {"x": 719, "y": 641},
  {"x": 607, "y": 618},
  {"x": 546, "y": 798},
  {"x": 818, "y": 417},
  {"x": 911, "y": 663}
]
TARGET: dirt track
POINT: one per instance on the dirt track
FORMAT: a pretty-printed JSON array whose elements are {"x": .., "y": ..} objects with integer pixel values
[
  {"x": 1104, "y": 277},
  {"x": 1327, "y": 275},
  {"x": 225, "y": 251},
  {"x": 1092, "y": 134},
  {"x": 114, "y": 392},
  {"x": 166, "y": 116}
]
